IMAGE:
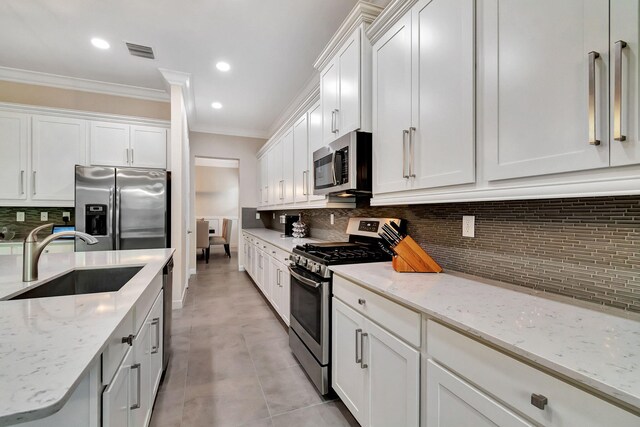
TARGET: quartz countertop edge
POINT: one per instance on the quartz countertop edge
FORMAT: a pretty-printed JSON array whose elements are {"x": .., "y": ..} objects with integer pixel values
[
  {"x": 49, "y": 344},
  {"x": 598, "y": 350},
  {"x": 274, "y": 237}
]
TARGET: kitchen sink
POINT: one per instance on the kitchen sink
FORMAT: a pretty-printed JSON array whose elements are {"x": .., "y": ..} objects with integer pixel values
[{"x": 82, "y": 281}]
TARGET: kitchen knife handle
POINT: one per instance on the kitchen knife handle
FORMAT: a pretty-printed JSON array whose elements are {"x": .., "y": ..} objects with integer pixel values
[
  {"x": 405, "y": 133},
  {"x": 617, "y": 92},
  {"x": 412, "y": 132},
  {"x": 593, "y": 135}
]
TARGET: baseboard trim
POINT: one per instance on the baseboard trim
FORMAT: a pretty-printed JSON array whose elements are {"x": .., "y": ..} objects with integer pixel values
[
  {"x": 193, "y": 271},
  {"x": 178, "y": 304},
  {"x": 240, "y": 267}
]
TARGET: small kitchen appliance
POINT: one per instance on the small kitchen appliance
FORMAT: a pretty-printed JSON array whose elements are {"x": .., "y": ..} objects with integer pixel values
[{"x": 311, "y": 279}]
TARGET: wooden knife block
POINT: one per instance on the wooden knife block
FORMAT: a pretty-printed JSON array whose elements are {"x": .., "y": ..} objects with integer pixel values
[{"x": 413, "y": 259}]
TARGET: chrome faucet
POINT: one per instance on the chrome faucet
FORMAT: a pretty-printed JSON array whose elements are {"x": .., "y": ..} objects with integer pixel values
[{"x": 33, "y": 249}]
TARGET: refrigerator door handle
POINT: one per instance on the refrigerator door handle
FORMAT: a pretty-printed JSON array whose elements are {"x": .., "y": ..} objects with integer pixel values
[
  {"x": 117, "y": 231},
  {"x": 110, "y": 212}
]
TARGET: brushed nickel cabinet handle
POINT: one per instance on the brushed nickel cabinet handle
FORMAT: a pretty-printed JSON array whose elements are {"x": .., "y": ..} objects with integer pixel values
[
  {"x": 33, "y": 184},
  {"x": 362, "y": 301},
  {"x": 358, "y": 357},
  {"x": 138, "y": 391},
  {"x": 333, "y": 121},
  {"x": 617, "y": 92},
  {"x": 412, "y": 132},
  {"x": 593, "y": 135},
  {"x": 22, "y": 182},
  {"x": 132, "y": 156},
  {"x": 539, "y": 401},
  {"x": 156, "y": 347},
  {"x": 336, "y": 121},
  {"x": 362, "y": 364},
  {"x": 405, "y": 133}
]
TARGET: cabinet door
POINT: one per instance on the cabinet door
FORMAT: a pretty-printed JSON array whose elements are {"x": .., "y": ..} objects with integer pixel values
[
  {"x": 452, "y": 402},
  {"x": 264, "y": 179},
  {"x": 533, "y": 86},
  {"x": 109, "y": 144},
  {"x": 625, "y": 113},
  {"x": 148, "y": 147},
  {"x": 442, "y": 136},
  {"x": 58, "y": 144},
  {"x": 300, "y": 159},
  {"x": 13, "y": 161},
  {"x": 287, "y": 167},
  {"x": 274, "y": 283},
  {"x": 140, "y": 381},
  {"x": 315, "y": 143},
  {"x": 329, "y": 101},
  {"x": 275, "y": 174},
  {"x": 393, "y": 379},
  {"x": 285, "y": 293},
  {"x": 348, "y": 378},
  {"x": 392, "y": 108},
  {"x": 115, "y": 399},
  {"x": 156, "y": 344},
  {"x": 349, "y": 59}
]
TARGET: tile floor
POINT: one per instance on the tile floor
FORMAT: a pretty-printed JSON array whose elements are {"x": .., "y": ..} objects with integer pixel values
[{"x": 231, "y": 363}]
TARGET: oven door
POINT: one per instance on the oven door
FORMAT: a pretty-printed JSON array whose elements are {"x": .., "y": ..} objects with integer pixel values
[{"x": 310, "y": 298}]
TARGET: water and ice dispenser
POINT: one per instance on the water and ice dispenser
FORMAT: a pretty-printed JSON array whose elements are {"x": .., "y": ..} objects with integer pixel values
[{"x": 95, "y": 219}]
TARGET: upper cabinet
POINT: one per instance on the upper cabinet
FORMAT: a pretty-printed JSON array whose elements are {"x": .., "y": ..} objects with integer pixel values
[
  {"x": 345, "y": 76},
  {"x": 423, "y": 98},
  {"x": 314, "y": 122},
  {"x": 14, "y": 142},
  {"x": 543, "y": 74},
  {"x": 118, "y": 144},
  {"x": 300, "y": 159}
]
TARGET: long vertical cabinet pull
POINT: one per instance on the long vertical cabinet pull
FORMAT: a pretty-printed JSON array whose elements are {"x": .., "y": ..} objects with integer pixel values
[
  {"x": 336, "y": 121},
  {"x": 132, "y": 156},
  {"x": 405, "y": 133},
  {"x": 304, "y": 183},
  {"x": 358, "y": 353},
  {"x": 33, "y": 184},
  {"x": 333, "y": 121},
  {"x": 617, "y": 92},
  {"x": 126, "y": 154},
  {"x": 138, "y": 391},
  {"x": 362, "y": 364},
  {"x": 412, "y": 133},
  {"x": 156, "y": 322},
  {"x": 22, "y": 182},
  {"x": 592, "y": 99}
]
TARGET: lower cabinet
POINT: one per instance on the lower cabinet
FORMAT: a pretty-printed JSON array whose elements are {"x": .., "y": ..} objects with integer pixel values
[
  {"x": 128, "y": 399},
  {"x": 279, "y": 294},
  {"x": 376, "y": 375}
]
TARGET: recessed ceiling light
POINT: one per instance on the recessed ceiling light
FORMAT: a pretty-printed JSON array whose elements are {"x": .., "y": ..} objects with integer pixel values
[
  {"x": 216, "y": 105},
  {"x": 100, "y": 43},
  {"x": 223, "y": 66}
]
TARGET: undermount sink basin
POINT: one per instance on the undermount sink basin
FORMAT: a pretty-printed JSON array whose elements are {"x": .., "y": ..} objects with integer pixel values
[{"x": 82, "y": 281}]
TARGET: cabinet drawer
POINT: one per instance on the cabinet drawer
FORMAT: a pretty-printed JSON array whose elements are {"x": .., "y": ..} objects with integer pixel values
[
  {"x": 400, "y": 320},
  {"x": 513, "y": 382},
  {"x": 144, "y": 303},
  {"x": 116, "y": 349}
]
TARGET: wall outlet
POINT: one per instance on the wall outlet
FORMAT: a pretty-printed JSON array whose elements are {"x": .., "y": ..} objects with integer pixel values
[
  {"x": 20, "y": 216},
  {"x": 283, "y": 219},
  {"x": 66, "y": 215},
  {"x": 257, "y": 215},
  {"x": 332, "y": 219},
  {"x": 468, "y": 226},
  {"x": 44, "y": 216}
]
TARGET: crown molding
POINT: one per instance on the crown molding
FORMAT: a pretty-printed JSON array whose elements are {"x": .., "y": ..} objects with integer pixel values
[
  {"x": 389, "y": 16},
  {"x": 84, "y": 85},
  {"x": 245, "y": 133},
  {"x": 305, "y": 102},
  {"x": 182, "y": 79},
  {"x": 294, "y": 105},
  {"x": 362, "y": 13}
]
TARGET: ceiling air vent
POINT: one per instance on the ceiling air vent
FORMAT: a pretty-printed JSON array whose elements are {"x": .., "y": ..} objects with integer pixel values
[{"x": 141, "y": 51}]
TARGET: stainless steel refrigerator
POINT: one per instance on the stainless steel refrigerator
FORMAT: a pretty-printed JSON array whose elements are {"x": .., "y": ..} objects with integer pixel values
[{"x": 124, "y": 208}]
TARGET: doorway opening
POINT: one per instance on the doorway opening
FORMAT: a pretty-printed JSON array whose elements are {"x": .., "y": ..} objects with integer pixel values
[{"x": 216, "y": 201}]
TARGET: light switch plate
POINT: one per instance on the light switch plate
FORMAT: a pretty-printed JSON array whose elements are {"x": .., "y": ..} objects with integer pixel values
[
  {"x": 44, "y": 216},
  {"x": 468, "y": 226},
  {"x": 332, "y": 219},
  {"x": 283, "y": 219},
  {"x": 257, "y": 215},
  {"x": 20, "y": 216}
]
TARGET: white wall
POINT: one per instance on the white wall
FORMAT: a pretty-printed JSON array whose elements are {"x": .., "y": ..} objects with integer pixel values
[{"x": 229, "y": 147}]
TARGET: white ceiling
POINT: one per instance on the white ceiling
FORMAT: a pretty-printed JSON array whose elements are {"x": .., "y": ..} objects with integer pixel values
[{"x": 270, "y": 44}]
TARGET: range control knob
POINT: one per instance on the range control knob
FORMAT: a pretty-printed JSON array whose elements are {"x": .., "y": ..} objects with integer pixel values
[{"x": 317, "y": 268}]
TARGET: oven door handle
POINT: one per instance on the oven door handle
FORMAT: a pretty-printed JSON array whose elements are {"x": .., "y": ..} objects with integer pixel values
[{"x": 304, "y": 280}]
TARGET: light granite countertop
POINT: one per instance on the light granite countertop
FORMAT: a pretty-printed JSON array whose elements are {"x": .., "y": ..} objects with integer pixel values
[
  {"x": 48, "y": 344},
  {"x": 273, "y": 237},
  {"x": 596, "y": 349}
]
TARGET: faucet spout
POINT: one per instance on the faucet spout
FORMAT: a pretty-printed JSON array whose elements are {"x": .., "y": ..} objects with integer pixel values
[{"x": 32, "y": 249}]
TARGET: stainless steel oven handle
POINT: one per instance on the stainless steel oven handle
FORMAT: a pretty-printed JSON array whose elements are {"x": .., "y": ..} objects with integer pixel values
[{"x": 304, "y": 280}]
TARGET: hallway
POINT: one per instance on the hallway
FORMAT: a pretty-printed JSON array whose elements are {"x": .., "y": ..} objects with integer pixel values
[{"x": 231, "y": 364}]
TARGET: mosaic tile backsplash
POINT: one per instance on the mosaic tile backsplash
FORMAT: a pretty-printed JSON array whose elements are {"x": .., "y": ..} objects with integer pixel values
[
  {"x": 585, "y": 248},
  {"x": 32, "y": 219}
]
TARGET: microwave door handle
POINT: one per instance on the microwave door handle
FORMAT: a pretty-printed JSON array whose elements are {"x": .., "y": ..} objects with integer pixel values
[
  {"x": 304, "y": 280},
  {"x": 333, "y": 168}
]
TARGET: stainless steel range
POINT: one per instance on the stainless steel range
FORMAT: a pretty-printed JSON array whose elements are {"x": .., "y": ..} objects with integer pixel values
[{"x": 310, "y": 332}]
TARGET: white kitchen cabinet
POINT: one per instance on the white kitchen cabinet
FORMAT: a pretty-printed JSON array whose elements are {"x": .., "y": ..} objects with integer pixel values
[
  {"x": 124, "y": 145},
  {"x": 156, "y": 322},
  {"x": 109, "y": 144},
  {"x": 58, "y": 144},
  {"x": 275, "y": 174},
  {"x": 452, "y": 402},
  {"x": 140, "y": 378},
  {"x": 14, "y": 142},
  {"x": 625, "y": 74},
  {"x": 301, "y": 159},
  {"x": 534, "y": 88},
  {"x": 287, "y": 167},
  {"x": 314, "y": 123},
  {"x": 329, "y": 100},
  {"x": 148, "y": 147},
  {"x": 423, "y": 98},
  {"x": 280, "y": 281},
  {"x": 263, "y": 180},
  {"x": 115, "y": 399},
  {"x": 375, "y": 373}
]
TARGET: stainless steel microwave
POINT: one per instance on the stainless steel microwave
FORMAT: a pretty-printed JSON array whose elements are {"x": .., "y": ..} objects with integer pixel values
[{"x": 344, "y": 166}]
